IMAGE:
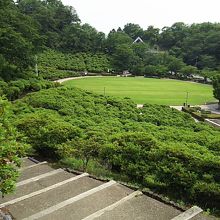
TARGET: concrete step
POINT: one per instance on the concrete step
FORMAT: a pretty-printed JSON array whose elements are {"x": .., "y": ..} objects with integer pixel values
[
  {"x": 52, "y": 197},
  {"x": 37, "y": 185},
  {"x": 203, "y": 216},
  {"x": 34, "y": 171},
  {"x": 189, "y": 214},
  {"x": 39, "y": 177},
  {"x": 31, "y": 166},
  {"x": 112, "y": 206},
  {"x": 141, "y": 208},
  {"x": 194, "y": 213},
  {"x": 47, "y": 194},
  {"x": 91, "y": 204},
  {"x": 27, "y": 162}
]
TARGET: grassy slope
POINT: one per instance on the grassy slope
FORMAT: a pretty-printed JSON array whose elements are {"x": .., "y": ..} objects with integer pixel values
[{"x": 145, "y": 90}]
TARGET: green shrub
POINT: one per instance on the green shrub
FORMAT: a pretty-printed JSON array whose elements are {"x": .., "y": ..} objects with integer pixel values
[
  {"x": 55, "y": 65},
  {"x": 162, "y": 148}
]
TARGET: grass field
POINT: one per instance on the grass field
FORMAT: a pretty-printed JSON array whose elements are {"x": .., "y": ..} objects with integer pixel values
[{"x": 146, "y": 90}]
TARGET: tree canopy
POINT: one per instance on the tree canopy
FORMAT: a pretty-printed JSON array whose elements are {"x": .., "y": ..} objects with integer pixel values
[{"x": 216, "y": 85}]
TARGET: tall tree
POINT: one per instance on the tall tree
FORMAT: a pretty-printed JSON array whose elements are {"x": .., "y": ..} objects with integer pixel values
[
  {"x": 82, "y": 38},
  {"x": 115, "y": 39},
  {"x": 19, "y": 37},
  {"x": 216, "y": 86},
  {"x": 52, "y": 16},
  {"x": 123, "y": 57},
  {"x": 151, "y": 35},
  {"x": 133, "y": 30}
]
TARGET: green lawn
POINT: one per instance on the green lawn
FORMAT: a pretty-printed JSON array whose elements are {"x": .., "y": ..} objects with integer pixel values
[{"x": 146, "y": 90}]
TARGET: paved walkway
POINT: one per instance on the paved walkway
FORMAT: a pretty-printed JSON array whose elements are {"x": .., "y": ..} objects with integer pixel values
[
  {"x": 71, "y": 78},
  {"x": 47, "y": 194},
  {"x": 212, "y": 107}
]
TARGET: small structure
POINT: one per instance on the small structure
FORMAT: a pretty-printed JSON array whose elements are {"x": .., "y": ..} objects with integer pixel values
[
  {"x": 84, "y": 73},
  {"x": 138, "y": 40},
  {"x": 126, "y": 73}
]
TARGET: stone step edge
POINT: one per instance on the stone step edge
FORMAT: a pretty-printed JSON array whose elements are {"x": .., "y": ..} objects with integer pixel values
[
  {"x": 69, "y": 201},
  {"x": 112, "y": 206},
  {"x": 31, "y": 166},
  {"x": 36, "y": 178},
  {"x": 33, "y": 160},
  {"x": 13, "y": 201},
  {"x": 188, "y": 214},
  {"x": 145, "y": 191}
]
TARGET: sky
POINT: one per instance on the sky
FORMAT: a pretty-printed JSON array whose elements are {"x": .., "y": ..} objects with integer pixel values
[{"x": 105, "y": 15}]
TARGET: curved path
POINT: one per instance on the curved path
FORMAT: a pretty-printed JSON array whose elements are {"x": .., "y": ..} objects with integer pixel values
[{"x": 71, "y": 78}]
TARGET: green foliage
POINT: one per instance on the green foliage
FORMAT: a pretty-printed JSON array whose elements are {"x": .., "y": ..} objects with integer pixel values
[
  {"x": 196, "y": 43},
  {"x": 58, "y": 65},
  {"x": 52, "y": 18},
  {"x": 48, "y": 131},
  {"x": 85, "y": 149},
  {"x": 156, "y": 146},
  {"x": 82, "y": 38},
  {"x": 11, "y": 149},
  {"x": 17, "y": 88},
  {"x": 19, "y": 37},
  {"x": 30, "y": 26},
  {"x": 133, "y": 30},
  {"x": 51, "y": 73},
  {"x": 216, "y": 86}
]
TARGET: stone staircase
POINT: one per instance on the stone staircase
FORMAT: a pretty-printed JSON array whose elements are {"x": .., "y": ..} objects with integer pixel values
[{"x": 48, "y": 194}]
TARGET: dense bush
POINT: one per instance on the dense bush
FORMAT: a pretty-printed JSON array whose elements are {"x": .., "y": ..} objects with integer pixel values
[
  {"x": 18, "y": 88},
  {"x": 200, "y": 114},
  {"x": 11, "y": 149},
  {"x": 62, "y": 64},
  {"x": 155, "y": 146},
  {"x": 51, "y": 73}
]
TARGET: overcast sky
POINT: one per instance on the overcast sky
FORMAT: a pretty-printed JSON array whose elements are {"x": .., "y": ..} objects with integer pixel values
[{"x": 105, "y": 15}]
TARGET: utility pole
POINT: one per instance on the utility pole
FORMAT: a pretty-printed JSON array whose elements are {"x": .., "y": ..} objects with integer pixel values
[{"x": 36, "y": 66}]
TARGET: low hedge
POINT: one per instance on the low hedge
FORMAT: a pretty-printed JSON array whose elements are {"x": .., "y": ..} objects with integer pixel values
[
  {"x": 196, "y": 115},
  {"x": 200, "y": 115}
]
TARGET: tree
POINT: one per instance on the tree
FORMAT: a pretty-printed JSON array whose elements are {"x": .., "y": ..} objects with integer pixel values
[
  {"x": 123, "y": 57},
  {"x": 116, "y": 39},
  {"x": 19, "y": 38},
  {"x": 52, "y": 18},
  {"x": 175, "y": 64},
  {"x": 216, "y": 86},
  {"x": 84, "y": 149},
  {"x": 82, "y": 38},
  {"x": 133, "y": 30},
  {"x": 15, "y": 48},
  {"x": 10, "y": 151},
  {"x": 188, "y": 70},
  {"x": 151, "y": 35}
]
